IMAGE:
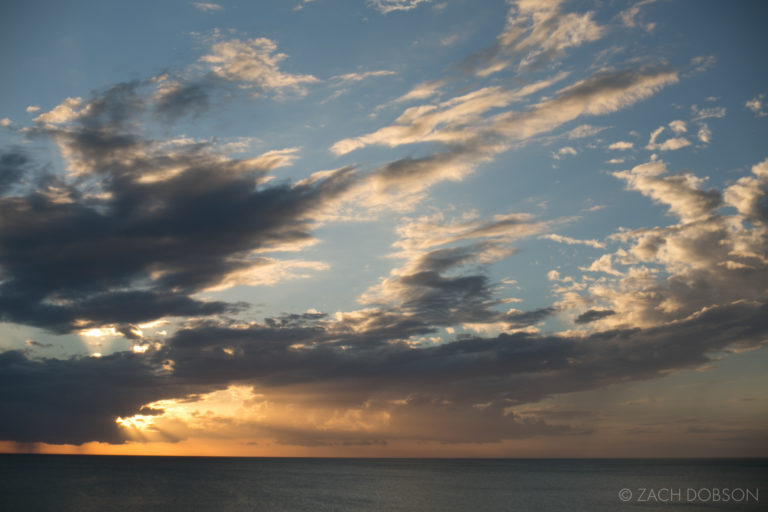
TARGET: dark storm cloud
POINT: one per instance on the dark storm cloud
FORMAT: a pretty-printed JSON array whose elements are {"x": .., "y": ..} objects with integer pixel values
[
  {"x": 183, "y": 99},
  {"x": 593, "y": 314},
  {"x": 13, "y": 166},
  {"x": 77, "y": 400},
  {"x": 114, "y": 108},
  {"x": 143, "y": 225},
  {"x": 432, "y": 292},
  {"x": 518, "y": 367},
  {"x": 72, "y": 401}
]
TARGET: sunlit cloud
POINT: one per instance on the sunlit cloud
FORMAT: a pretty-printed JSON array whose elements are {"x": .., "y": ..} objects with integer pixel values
[
  {"x": 573, "y": 241},
  {"x": 672, "y": 143},
  {"x": 537, "y": 32},
  {"x": 254, "y": 64},
  {"x": 758, "y": 105},
  {"x": 621, "y": 145},
  {"x": 357, "y": 77}
]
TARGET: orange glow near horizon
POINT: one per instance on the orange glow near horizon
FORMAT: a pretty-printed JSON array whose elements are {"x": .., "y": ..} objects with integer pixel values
[{"x": 590, "y": 447}]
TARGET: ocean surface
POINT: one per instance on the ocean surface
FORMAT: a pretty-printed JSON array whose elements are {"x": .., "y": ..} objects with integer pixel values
[{"x": 106, "y": 483}]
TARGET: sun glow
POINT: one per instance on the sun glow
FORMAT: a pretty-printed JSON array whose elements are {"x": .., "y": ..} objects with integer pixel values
[
  {"x": 243, "y": 413},
  {"x": 194, "y": 413},
  {"x": 137, "y": 422},
  {"x": 100, "y": 332}
]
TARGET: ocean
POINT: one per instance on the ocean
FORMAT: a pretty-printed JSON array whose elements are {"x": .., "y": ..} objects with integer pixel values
[{"x": 117, "y": 483}]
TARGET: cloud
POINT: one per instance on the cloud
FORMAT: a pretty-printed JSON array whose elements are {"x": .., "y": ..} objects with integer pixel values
[
  {"x": 593, "y": 314},
  {"x": 709, "y": 258},
  {"x": 707, "y": 113},
  {"x": 671, "y": 144},
  {"x": 206, "y": 7},
  {"x": 471, "y": 139},
  {"x": 748, "y": 194},
  {"x": 32, "y": 108},
  {"x": 681, "y": 193},
  {"x": 5, "y": 122},
  {"x": 535, "y": 33},
  {"x": 758, "y": 105},
  {"x": 387, "y": 6},
  {"x": 603, "y": 264},
  {"x": 427, "y": 285},
  {"x": 385, "y": 384},
  {"x": 14, "y": 165},
  {"x": 141, "y": 226},
  {"x": 704, "y": 134},
  {"x": 583, "y": 131},
  {"x": 566, "y": 150},
  {"x": 417, "y": 388},
  {"x": 572, "y": 241},
  {"x": 79, "y": 398},
  {"x": 301, "y": 4},
  {"x": 446, "y": 122},
  {"x": 678, "y": 126},
  {"x": 357, "y": 77},
  {"x": 629, "y": 17},
  {"x": 153, "y": 223},
  {"x": 255, "y": 65},
  {"x": 459, "y": 121},
  {"x": 175, "y": 100},
  {"x": 604, "y": 92},
  {"x": 33, "y": 343},
  {"x": 62, "y": 113},
  {"x": 449, "y": 40},
  {"x": 421, "y": 91},
  {"x": 266, "y": 272},
  {"x": 622, "y": 145},
  {"x": 703, "y": 63}
]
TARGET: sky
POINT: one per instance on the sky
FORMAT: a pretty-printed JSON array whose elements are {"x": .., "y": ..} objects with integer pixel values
[{"x": 384, "y": 228}]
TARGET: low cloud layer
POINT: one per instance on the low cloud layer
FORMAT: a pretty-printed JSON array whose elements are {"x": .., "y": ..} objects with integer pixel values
[{"x": 311, "y": 356}]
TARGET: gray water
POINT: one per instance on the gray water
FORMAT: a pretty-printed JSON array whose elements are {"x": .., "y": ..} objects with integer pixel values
[{"x": 105, "y": 483}]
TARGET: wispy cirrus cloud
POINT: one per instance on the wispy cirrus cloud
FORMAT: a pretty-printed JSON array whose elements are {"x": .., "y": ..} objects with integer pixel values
[
  {"x": 445, "y": 122},
  {"x": 535, "y": 33},
  {"x": 707, "y": 113},
  {"x": 573, "y": 241},
  {"x": 357, "y": 77},
  {"x": 387, "y": 6},
  {"x": 206, "y": 7},
  {"x": 631, "y": 17}
]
